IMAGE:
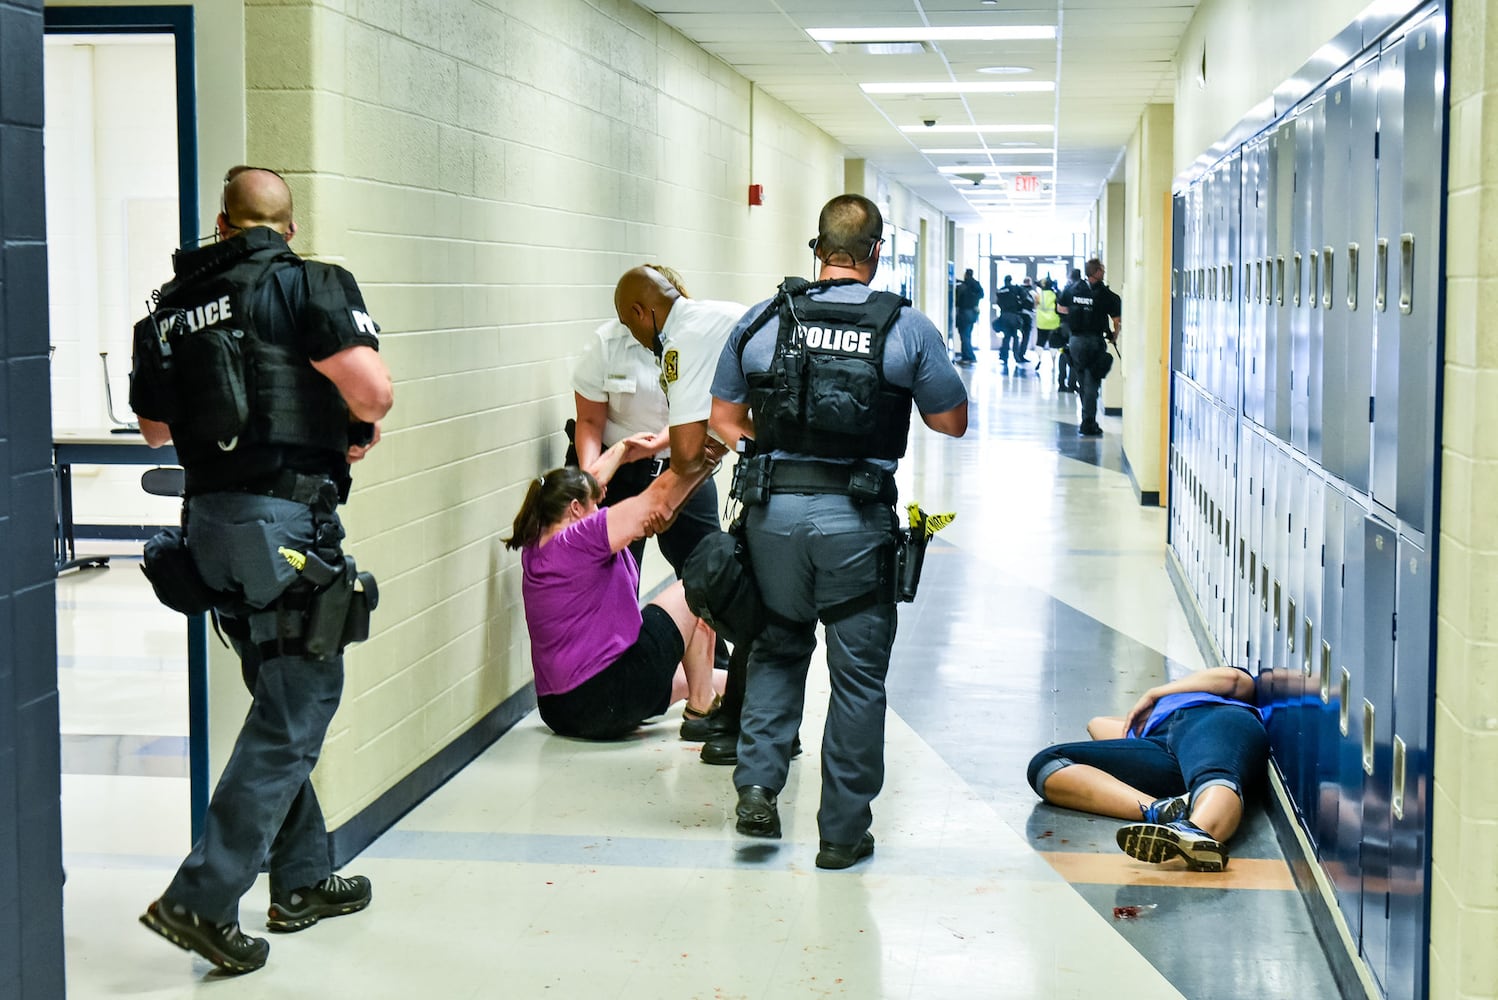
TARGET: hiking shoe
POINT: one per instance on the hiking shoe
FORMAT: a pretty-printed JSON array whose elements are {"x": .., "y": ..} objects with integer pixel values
[
  {"x": 225, "y": 945},
  {"x": 836, "y": 856},
  {"x": 1158, "y": 842},
  {"x": 756, "y": 811},
  {"x": 332, "y": 897},
  {"x": 1166, "y": 810}
]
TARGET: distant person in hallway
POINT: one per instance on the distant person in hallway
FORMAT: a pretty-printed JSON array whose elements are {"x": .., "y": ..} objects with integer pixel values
[
  {"x": 820, "y": 523},
  {"x": 1027, "y": 318},
  {"x": 969, "y": 298},
  {"x": 1009, "y": 322},
  {"x": 603, "y": 665},
  {"x": 685, "y": 336},
  {"x": 278, "y": 390},
  {"x": 1066, "y": 375},
  {"x": 1094, "y": 314},
  {"x": 1178, "y": 764},
  {"x": 1047, "y": 319}
]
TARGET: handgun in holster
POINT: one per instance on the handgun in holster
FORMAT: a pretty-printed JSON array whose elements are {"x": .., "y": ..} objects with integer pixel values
[{"x": 339, "y": 612}]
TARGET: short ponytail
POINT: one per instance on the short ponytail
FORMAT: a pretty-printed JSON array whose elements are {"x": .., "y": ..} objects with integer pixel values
[{"x": 546, "y": 500}]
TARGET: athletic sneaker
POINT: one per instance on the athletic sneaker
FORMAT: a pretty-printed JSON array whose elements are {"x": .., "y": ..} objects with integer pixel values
[
  {"x": 332, "y": 897},
  {"x": 1166, "y": 810},
  {"x": 1159, "y": 842},
  {"x": 225, "y": 945}
]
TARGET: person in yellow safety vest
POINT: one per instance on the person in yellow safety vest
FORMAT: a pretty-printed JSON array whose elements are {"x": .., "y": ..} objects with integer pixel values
[{"x": 1047, "y": 319}]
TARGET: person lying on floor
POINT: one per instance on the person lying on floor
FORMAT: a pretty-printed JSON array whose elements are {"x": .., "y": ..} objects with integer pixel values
[
  {"x": 1178, "y": 763},
  {"x": 602, "y": 664}
]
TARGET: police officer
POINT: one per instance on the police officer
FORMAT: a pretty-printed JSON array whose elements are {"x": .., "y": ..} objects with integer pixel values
[
  {"x": 1067, "y": 378},
  {"x": 1094, "y": 315},
  {"x": 263, "y": 369},
  {"x": 969, "y": 296},
  {"x": 1010, "y": 321},
  {"x": 823, "y": 377}
]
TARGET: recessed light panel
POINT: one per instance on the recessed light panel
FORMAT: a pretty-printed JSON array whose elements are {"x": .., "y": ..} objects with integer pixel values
[
  {"x": 977, "y": 128},
  {"x": 1016, "y": 87},
  {"x": 971, "y": 33}
]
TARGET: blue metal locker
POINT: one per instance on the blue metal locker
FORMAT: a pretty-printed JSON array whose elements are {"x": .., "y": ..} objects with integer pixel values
[
  {"x": 1345, "y": 852},
  {"x": 1281, "y": 252},
  {"x": 1386, "y": 380},
  {"x": 1228, "y": 250},
  {"x": 1255, "y": 209},
  {"x": 1327, "y": 705},
  {"x": 1336, "y": 166},
  {"x": 1306, "y": 284},
  {"x": 1309, "y": 626},
  {"x": 1381, "y": 561},
  {"x": 1304, "y": 232},
  {"x": 1243, "y": 591}
]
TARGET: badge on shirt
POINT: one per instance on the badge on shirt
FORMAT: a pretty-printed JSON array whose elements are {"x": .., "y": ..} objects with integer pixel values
[
  {"x": 670, "y": 370},
  {"x": 619, "y": 383}
]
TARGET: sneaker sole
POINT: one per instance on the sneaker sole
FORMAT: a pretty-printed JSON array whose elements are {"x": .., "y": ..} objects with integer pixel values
[
  {"x": 1154, "y": 844},
  {"x": 200, "y": 947},
  {"x": 289, "y": 924}
]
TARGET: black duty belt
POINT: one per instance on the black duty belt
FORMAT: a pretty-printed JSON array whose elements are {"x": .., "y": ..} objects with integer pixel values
[
  {"x": 300, "y": 487},
  {"x": 863, "y": 481}
]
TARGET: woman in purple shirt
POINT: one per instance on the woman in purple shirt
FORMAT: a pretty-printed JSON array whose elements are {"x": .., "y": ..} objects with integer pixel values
[{"x": 603, "y": 664}]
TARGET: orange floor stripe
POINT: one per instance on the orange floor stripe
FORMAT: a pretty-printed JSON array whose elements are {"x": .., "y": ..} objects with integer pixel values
[{"x": 1120, "y": 869}]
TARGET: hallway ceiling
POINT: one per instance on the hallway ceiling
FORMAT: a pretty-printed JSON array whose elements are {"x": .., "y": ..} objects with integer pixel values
[{"x": 1076, "y": 98}]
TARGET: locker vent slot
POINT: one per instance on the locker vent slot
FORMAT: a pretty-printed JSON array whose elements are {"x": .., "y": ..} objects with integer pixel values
[
  {"x": 1407, "y": 273},
  {"x": 1381, "y": 275},
  {"x": 1352, "y": 276},
  {"x": 1397, "y": 799},
  {"x": 1326, "y": 672},
  {"x": 1327, "y": 262},
  {"x": 1367, "y": 737},
  {"x": 1342, "y": 705}
]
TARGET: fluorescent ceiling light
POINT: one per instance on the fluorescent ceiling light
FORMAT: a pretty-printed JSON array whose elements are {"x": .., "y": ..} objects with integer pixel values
[
  {"x": 1005, "y": 169},
  {"x": 1016, "y": 87},
  {"x": 1007, "y": 129},
  {"x": 971, "y": 33},
  {"x": 1029, "y": 150},
  {"x": 1005, "y": 70}
]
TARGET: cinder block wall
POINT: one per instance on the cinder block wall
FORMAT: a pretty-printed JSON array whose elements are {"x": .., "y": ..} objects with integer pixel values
[
  {"x": 487, "y": 170},
  {"x": 31, "y": 960},
  {"x": 1464, "y": 866}
]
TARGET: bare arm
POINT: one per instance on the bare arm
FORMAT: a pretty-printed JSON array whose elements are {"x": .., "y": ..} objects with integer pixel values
[
  {"x": 362, "y": 380},
  {"x": 155, "y": 432},
  {"x": 1225, "y": 682},
  {"x": 951, "y": 422},
  {"x": 588, "y": 434},
  {"x": 632, "y": 448},
  {"x": 689, "y": 449},
  {"x": 731, "y": 422},
  {"x": 649, "y": 512}
]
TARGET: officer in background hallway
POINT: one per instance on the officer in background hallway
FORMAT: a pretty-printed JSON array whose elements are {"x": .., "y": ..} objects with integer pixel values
[
  {"x": 968, "y": 298},
  {"x": 820, "y": 536},
  {"x": 1094, "y": 314},
  {"x": 1066, "y": 375},
  {"x": 1009, "y": 322},
  {"x": 686, "y": 336},
  {"x": 264, "y": 476}
]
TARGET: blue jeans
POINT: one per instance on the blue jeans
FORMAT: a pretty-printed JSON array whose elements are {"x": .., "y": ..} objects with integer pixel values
[
  {"x": 810, "y": 553},
  {"x": 965, "y": 320},
  {"x": 1192, "y": 749},
  {"x": 264, "y": 813}
]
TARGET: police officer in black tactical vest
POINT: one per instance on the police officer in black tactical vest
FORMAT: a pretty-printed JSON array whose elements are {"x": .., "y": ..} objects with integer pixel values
[
  {"x": 263, "y": 370},
  {"x": 822, "y": 377},
  {"x": 1094, "y": 314}
]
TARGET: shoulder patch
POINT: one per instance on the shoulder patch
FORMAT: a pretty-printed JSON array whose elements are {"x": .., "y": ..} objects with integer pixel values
[{"x": 670, "y": 367}]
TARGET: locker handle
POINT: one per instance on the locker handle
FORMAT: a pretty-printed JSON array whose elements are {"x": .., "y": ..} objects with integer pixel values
[
  {"x": 1352, "y": 276},
  {"x": 1241, "y": 558},
  {"x": 1253, "y": 572},
  {"x": 1278, "y": 624},
  {"x": 1342, "y": 709},
  {"x": 1229, "y": 287},
  {"x": 1298, "y": 272},
  {"x": 1327, "y": 260},
  {"x": 1258, "y": 281},
  {"x": 1314, "y": 290},
  {"x": 1175, "y": 282},
  {"x": 1326, "y": 672},
  {"x": 1308, "y": 665},
  {"x": 1368, "y": 714},
  {"x": 1290, "y": 632},
  {"x": 1381, "y": 275},
  {"x": 1396, "y": 801},
  {"x": 1407, "y": 273},
  {"x": 1279, "y": 272},
  {"x": 1264, "y": 587}
]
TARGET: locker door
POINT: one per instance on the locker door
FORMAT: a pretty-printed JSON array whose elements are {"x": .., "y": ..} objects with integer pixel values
[
  {"x": 1297, "y": 306},
  {"x": 1327, "y": 705},
  {"x": 1309, "y": 249},
  {"x": 1244, "y": 480},
  {"x": 1281, "y": 253},
  {"x": 1411, "y": 774},
  {"x": 1381, "y": 562},
  {"x": 1386, "y": 379},
  {"x": 1420, "y": 272},
  {"x": 1348, "y": 685},
  {"x": 1277, "y": 558},
  {"x": 1232, "y": 323},
  {"x": 1254, "y": 206},
  {"x": 1362, "y": 205},
  {"x": 1310, "y": 633},
  {"x": 1292, "y": 524},
  {"x": 1177, "y": 257},
  {"x": 1336, "y": 165}
]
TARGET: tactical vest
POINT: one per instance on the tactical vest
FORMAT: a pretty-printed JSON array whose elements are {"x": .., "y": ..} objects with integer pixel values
[
  {"x": 1086, "y": 319},
  {"x": 825, "y": 393},
  {"x": 1046, "y": 316},
  {"x": 225, "y": 390}
]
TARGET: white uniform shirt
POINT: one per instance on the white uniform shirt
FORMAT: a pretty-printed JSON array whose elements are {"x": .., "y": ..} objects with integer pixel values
[
  {"x": 617, "y": 369},
  {"x": 691, "y": 342}
]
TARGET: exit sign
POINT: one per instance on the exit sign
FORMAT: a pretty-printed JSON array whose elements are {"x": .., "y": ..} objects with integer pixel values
[{"x": 1026, "y": 184}]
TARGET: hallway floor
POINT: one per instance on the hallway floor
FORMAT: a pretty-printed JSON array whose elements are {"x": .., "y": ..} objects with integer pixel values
[{"x": 557, "y": 868}]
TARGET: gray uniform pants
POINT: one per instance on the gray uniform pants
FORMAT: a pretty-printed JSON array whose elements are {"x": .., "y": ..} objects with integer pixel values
[
  {"x": 809, "y": 553},
  {"x": 264, "y": 813}
]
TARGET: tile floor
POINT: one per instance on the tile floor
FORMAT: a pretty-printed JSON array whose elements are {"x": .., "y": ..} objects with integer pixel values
[{"x": 555, "y": 868}]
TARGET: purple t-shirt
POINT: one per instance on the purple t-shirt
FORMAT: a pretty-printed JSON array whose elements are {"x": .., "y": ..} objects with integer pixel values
[{"x": 581, "y": 603}]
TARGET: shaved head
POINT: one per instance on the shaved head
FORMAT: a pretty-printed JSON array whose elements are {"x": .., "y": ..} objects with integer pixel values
[
  {"x": 643, "y": 299},
  {"x": 255, "y": 196}
]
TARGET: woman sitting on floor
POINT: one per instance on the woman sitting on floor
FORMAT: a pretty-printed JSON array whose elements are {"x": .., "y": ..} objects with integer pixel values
[{"x": 603, "y": 665}]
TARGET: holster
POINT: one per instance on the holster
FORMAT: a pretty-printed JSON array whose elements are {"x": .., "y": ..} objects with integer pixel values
[
  {"x": 339, "y": 611},
  {"x": 175, "y": 577}
]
